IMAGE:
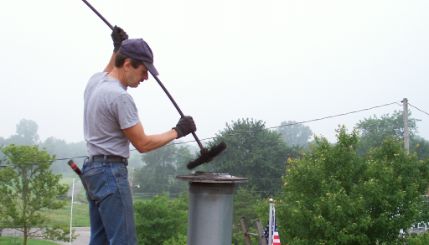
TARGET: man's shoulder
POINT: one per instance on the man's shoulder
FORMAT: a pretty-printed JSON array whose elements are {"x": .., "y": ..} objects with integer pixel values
[
  {"x": 97, "y": 76},
  {"x": 104, "y": 83},
  {"x": 94, "y": 80}
]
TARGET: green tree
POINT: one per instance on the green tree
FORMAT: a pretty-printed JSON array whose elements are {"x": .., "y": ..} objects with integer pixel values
[
  {"x": 61, "y": 149},
  {"x": 333, "y": 195},
  {"x": 421, "y": 239},
  {"x": 295, "y": 134},
  {"x": 254, "y": 152},
  {"x": 160, "y": 219},
  {"x": 158, "y": 175},
  {"x": 26, "y": 133},
  {"x": 420, "y": 146},
  {"x": 180, "y": 239},
  {"x": 373, "y": 131},
  {"x": 251, "y": 207},
  {"x": 3, "y": 177},
  {"x": 27, "y": 186}
]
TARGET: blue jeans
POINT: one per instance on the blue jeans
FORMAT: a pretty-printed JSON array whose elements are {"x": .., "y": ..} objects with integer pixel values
[{"x": 110, "y": 203}]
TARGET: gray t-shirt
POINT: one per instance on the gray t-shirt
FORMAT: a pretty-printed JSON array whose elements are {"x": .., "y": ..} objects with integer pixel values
[{"x": 108, "y": 109}]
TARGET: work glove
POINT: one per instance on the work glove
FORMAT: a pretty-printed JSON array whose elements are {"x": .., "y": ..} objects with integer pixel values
[
  {"x": 118, "y": 35},
  {"x": 185, "y": 126}
]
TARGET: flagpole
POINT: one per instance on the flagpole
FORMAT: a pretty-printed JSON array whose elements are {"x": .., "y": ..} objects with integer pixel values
[
  {"x": 71, "y": 213},
  {"x": 270, "y": 223}
]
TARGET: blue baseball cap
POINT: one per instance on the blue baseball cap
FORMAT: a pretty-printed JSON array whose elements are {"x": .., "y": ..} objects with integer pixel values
[{"x": 138, "y": 49}]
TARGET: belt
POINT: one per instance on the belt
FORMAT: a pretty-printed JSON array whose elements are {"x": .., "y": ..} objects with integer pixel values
[{"x": 108, "y": 158}]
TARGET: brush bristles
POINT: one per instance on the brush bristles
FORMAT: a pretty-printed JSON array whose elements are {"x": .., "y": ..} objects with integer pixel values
[{"x": 207, "y": 155}]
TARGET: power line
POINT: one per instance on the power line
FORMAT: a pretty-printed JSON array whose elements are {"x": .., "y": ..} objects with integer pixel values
[
  {"x": 274, "y": 127},
  {"x": 415, "y": 107},
  {"x": 302, "y": 122},
  {"x": 337, "y": 115},
  {"x": 312, "y": 120},
  {"x": 68, "y": 158}
]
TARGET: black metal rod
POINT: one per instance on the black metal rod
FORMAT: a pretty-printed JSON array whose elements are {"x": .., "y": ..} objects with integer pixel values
[
  {"x": 177, "y": 108},
  {"x": 99, "y": 15}
]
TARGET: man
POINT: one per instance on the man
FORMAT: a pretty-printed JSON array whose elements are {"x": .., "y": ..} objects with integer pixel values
[{"x": 111, "y": 122}]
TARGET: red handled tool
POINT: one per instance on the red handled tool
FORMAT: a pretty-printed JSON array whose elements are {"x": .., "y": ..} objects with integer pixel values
[{"x": 74, "y": 166}]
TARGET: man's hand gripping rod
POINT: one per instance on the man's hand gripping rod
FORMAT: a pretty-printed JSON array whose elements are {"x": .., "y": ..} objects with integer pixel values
[{"x": 206, "y": 155}]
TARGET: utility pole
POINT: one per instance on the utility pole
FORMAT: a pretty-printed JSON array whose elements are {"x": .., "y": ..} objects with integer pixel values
[
  {"x": 406, "y": 130},
  {"x": 262, "y": 239},
  {"x": 245, "y": 232}
]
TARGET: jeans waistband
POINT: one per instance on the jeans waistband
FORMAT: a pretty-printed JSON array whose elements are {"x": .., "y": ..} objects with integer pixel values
[{"x": 108, "y": 158}]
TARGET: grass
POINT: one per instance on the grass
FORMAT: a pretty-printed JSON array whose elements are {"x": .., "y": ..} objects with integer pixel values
[
  {"x": 67, "y": 180},
  {"x": 18, "y": 241},
  {"x": 62, "y": 216},
  {"x": 80, "y": 214}
]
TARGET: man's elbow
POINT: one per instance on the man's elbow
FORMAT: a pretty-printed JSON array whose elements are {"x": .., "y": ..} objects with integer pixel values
[{"x": 143, "y": 148}]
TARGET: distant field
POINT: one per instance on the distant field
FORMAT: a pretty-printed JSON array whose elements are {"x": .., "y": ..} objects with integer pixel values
[
  {"x": 18, "y": 241},
  {"x": 80, "y": 214},
  {"x": 80, "y": 209},
  {"x": 62, "y": 216}
]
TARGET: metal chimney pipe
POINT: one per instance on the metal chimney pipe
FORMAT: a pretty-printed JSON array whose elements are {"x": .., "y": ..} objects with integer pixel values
[{"x": 210, "y": 207}]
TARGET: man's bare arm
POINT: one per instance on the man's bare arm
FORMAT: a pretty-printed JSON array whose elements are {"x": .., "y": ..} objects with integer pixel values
[{"x": 145, "y": 143}]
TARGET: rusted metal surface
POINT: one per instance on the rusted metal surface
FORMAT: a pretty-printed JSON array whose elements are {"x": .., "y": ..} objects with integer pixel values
[{"x": 208, "y": 177}]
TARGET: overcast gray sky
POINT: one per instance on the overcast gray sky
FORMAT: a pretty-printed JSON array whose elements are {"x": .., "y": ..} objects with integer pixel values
[{"x": 272, "y": 60}]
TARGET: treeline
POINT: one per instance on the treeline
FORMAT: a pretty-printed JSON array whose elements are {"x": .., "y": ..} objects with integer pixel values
[
  {"x": 254, "y": 152},
  {"x": 363, "y": 186},
  {"x": 27, "y": 134}
]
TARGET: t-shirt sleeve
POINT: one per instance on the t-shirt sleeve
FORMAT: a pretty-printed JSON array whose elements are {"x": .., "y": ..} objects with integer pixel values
[{"x": 126, "y": 110}]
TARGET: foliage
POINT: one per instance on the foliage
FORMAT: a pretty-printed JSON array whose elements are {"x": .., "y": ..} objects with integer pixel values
[
  {"x": 253, "y": 152},
  {"x": 26, "y": 133},
  {"x": 59, "y": 233},
  {"x": 60, "y": 148},
  {"x": 27, "y": 186},
  {"x": 61, "y": 216},
  {"x": 250, "y": 207},
  {"x": 295, "y": 134},
  {"x": 19, "y": 240},
  {"x": 334, "y": 195},
  {"x": 158, "y": 175},
  {"x": 160, "y": 219},
  {"x": 179, "y": 239},
  {"x": 135, "y": 160},
  {"x": 373, "y": 131},
  {"x": 248, "y": 204},
  {"x": 421, "y": 239},
  {"x": 420, "y": 146}
]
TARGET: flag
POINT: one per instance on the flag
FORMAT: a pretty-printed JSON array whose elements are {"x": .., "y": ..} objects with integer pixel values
[{"x": 276, "y": 238}]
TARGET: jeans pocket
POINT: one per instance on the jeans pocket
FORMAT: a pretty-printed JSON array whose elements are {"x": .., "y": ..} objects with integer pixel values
[
  {"x": 97, "y": 184},
  {"x": 120, "y": 173}
]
